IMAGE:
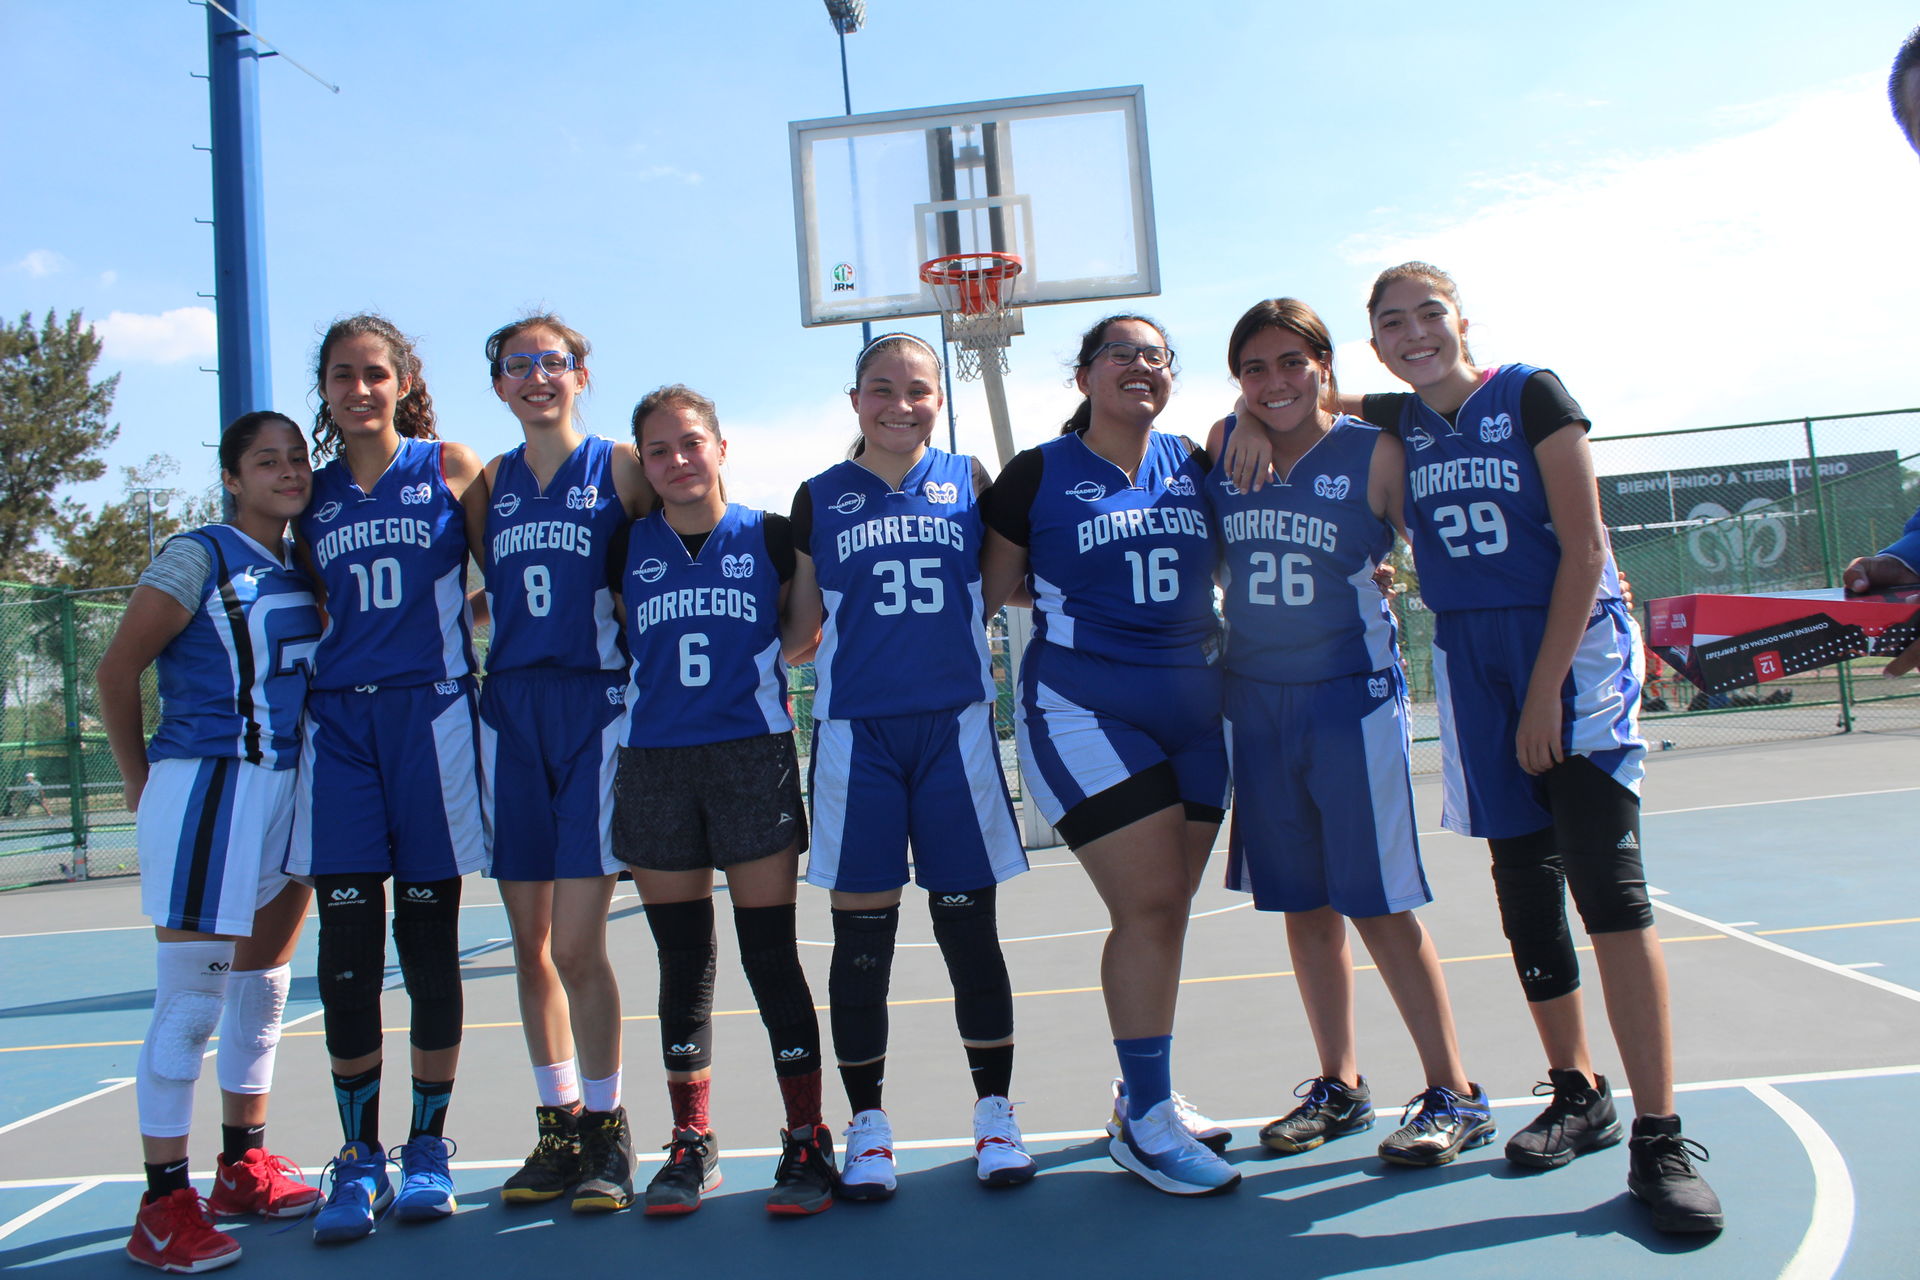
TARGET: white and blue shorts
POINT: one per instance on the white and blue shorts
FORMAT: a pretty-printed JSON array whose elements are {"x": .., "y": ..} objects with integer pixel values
[
  {"x": 1089, "y": 724},
  {"x": 549, "y": 748},
  {"x": 389, "y": 783},
  {"x": 212, "y": 835},
  {"x": 1482, "y": 661},
  {"x": 931, "y": 780},
  {"x": 1323, "y": 809}
]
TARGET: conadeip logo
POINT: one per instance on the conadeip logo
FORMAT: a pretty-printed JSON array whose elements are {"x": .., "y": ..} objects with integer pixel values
[
  {"x": 843, "y": 277},
  {"x": 1088, "y": 491},
  {"x": 1334, "y": 487},
  {"x": 1419, "y": 437},
  {"x": 327, "y": 512},
  {"x": 848, "y": 503},
  {"x": 508, "y": 504},
  {"x": 651, "y": 570},
  {"x": 740, "y": 566},
  {"x": 1228, "y": 487}
]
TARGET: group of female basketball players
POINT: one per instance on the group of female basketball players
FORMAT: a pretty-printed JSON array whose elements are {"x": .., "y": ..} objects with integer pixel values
[{"x": 635, "y": 718}]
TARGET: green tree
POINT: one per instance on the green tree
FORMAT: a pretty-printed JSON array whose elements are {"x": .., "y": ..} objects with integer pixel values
[
  {"x": 108, "y": 548},
  {"x": 53, "y": 426}
]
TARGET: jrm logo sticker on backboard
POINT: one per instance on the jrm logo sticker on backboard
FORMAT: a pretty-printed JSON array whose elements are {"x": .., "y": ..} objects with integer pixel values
[{"x": 843, "y": 278}]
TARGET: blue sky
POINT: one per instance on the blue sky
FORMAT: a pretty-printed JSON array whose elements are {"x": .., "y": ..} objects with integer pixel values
[{"x": 1696, "y": 213}]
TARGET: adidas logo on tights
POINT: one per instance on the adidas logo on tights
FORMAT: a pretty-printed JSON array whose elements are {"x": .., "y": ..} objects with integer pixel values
[{"x": 1628, "y": 842}]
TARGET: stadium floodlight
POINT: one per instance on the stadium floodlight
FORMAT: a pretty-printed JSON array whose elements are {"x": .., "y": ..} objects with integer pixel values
[{"x": 847, "y": 15}]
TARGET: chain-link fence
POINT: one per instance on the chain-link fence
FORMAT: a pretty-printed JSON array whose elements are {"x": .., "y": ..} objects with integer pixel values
[
  {"x": 61, "y": 815},
  {"x": 1766, "y": 506},
  {"x": 1752, "y": 507}
]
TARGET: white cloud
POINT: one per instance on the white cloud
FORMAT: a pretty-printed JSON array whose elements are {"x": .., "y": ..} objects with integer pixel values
[
  {"x": 184, "y": 333},
  {"x": 1765, "y": 274},
  {"x": 40, "y": 263}
]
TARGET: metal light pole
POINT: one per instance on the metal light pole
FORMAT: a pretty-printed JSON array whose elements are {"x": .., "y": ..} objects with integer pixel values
[
  {"x": 147, "y": 493},
  {"x": 847, "y": 17}
]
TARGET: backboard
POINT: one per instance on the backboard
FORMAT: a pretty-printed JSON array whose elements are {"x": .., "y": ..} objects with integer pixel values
[{"x": 1061, "y": 179}]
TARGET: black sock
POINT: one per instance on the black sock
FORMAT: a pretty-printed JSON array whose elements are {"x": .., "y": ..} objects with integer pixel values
[
  {"x": 863, "y": 1084},
  {"x": 992, "y": 1070},
  {"x": 358, "y": 1098},
  {"x": 430, "y": 1099},
  {"x": 165, "y": 1179},
  {"x": 238, "y": 1139}
]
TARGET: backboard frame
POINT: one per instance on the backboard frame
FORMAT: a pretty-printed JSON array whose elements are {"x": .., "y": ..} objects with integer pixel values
[{"x": 1036, "y": 289}]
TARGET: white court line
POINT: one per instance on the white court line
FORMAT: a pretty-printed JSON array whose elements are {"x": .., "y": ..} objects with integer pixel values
[
  {"x": 114, "y": 1085},
  {"x": 1743, "y": 804},
  {"x": 1831, "y": 1230},
  {"x": 1892, "y": 988},
  {"x": 1047, "y": 937},
  {"x": 46, "y": 1207},
  {"x": 1749, "y": 1083}
]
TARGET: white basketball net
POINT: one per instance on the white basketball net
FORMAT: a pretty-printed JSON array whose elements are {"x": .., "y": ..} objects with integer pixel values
[{"x": 979, "y": 314}]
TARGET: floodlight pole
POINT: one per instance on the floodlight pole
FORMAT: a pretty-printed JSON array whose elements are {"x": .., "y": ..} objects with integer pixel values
[
  {"x": 847, "y": 17},
  {"x": 239, "y": 222}
]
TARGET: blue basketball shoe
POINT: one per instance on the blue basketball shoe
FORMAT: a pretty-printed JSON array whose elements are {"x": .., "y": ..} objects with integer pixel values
[
  {"x": 426, "y": 1186},
  {"x": 1161, "y": 1149},
  {"x": 1443, "y": 1124},
  {"x": 360, "y": 1192}
]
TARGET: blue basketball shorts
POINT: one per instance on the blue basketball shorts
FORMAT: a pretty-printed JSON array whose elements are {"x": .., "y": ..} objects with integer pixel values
[
  {"x": 212, "y": 835},
  {"x": 1323, "y": 806},
  {"x": 930, "y": 780},
  {"x": 1089, "y": 723},
  {"x": 389, "y": 783},
  {"x": 549, "y": 746},
  {"x": 1482, "y": 660}
]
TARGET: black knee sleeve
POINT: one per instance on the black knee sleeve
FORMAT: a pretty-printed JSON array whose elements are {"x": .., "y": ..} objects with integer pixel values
[
  {"x": 426, "y": 934},
  {"x": 683, "y": 937},
  {"x": 858, "y": 981},
  {"x": 353, "y": 960},
  {"x": 1596, "y": 829},
  {"x": 771, "y": 959},
  {"x": 1530, "y": 886},
  {"x": 969, "y": 938}
]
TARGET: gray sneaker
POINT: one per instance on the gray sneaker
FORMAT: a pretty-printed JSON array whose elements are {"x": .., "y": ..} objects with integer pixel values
[{"x": 1330, "y": 1110}]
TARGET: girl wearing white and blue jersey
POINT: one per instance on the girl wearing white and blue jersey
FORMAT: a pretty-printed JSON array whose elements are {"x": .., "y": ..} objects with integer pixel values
[
  {"x": 905, "y": 754},
  {"x": 1537, "y": 664},
  {"x": 709, "y": 781},
  {"x": 388, "y": 770},
  {"x": 1316, "y": 712},
  {"x": 552, "y": 711},
  {"x": 1120, "y": 738},
  {"x": 230, "y": 622}
]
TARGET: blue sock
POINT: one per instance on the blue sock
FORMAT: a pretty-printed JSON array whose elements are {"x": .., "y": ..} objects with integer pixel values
[
  {"x": 1146, "y": 1067},
  {"x": 358, "y": 1098}
]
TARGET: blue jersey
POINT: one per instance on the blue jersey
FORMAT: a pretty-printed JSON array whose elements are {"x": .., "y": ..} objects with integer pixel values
[
  {"x": 899, "y": 572},
  {"x": 546, "y": 559},
  {"x": 393, "y": 562},
  {"x": 1297, "y": 562},
  {"x": 1476, "y": 507},
  {"x": 705, "y": 634},
  {"x": 234, "y": 682},
  {"x": 1120, "y": 568}
]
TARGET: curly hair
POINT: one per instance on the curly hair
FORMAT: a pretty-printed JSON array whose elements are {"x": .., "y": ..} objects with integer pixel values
[{"x": 412, "y": 416}]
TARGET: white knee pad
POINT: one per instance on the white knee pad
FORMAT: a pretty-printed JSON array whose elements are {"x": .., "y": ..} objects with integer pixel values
[
  {"x": 190, "y": 984},
  {"x": 250, "y": 1031}
]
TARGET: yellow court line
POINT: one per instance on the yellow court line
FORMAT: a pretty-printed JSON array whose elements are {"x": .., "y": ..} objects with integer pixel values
[{"x": 1018, "y": 995}]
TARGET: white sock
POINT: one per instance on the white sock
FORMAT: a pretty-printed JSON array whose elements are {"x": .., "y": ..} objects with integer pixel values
[
  {"x": 558, "y": 1083},
  {"x": 601, "y": 1095}
]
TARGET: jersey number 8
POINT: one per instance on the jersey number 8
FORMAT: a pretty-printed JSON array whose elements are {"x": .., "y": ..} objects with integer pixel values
[{"x": 539, "y": 590}]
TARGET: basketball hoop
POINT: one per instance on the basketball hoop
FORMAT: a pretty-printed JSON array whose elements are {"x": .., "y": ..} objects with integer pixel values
[{"x": 975, "y": 293}]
